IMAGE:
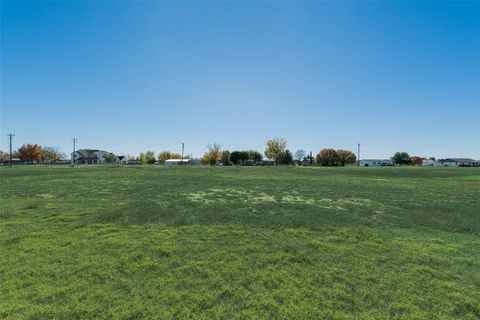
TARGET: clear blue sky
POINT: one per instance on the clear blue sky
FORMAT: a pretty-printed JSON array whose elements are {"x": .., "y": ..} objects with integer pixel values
[{"x": 135, "y": 76}]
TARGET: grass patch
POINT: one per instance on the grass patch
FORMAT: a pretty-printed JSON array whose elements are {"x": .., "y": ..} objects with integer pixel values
[{"x": 239, "y": 243}]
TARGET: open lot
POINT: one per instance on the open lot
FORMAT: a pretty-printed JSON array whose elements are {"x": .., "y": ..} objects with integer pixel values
[{"x": 239, "y": 243}]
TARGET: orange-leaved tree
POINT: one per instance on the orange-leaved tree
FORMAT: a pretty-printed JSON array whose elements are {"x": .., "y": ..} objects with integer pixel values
[
  {"x": 30, "y": 152},
  {"x": 416, "y": 160},
  {"x": 327, "y": 157}
]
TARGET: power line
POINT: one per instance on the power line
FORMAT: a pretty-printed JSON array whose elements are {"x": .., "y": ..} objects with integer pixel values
[
  {"x": 10, "y": 137},
  {"x": 183, "y": 146},
  {"x": 358, "y": 155},
  {"x": 73, "y": 154}
]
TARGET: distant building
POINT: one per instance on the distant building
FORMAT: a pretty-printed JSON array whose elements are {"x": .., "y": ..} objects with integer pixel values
[
  {"x": 458, "y": 162},
  {"x": 195, "y": 162},
  {"x": 375, "y": 162},
  {"x": 176, "y": 162},
  {"x": 122, "y": 160},
  {"x": 430, "y": 163},
  {"x": 89, "y": 156}
]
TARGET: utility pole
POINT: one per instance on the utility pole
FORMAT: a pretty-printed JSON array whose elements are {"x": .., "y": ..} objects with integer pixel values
[
  {"x": 73, "y": 154},
  {"x": 183, "y": 146},
  {"x": 10, "y": 137},
  {"x": 358, "y": 155}
]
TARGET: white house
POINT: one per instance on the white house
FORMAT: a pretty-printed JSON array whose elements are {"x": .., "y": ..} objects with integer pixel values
[
  {"x": 458, "y": 162},
  {"x": 430, "y": 163},
  {"x": 175, "y": 162},
  {"x": 122, "y": 159},
  {"x": 89, "y": 156},
  {"x": 375, "y": 162}
]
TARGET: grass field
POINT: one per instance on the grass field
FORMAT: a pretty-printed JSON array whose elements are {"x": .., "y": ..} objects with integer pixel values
[{"x": 239, "y": 243}]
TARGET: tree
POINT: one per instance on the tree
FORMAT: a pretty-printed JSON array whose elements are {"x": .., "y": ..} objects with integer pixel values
[
  {"x": 274, "y": 149},
  {"x": 346, "y": 157},
  {"x": 165, "y": 155},
  {"x": 327, "y": 157},
  {"x": 310, "y": 158},
  {"x": 30, "y": 152},
  {"x": 52, "y": 154},
  {"x": 4, "y": 156},
  {"x": 226, "y": 158},
  {"x": 235, "y": 157},
  {"x": 213, "y": 155},
  {"x": 147, "y": 157},
  {"x": 244, "y": 156},
  {"x": 285, "y": 157},
  {"x": 255, "y": 156},
  {"x": 415, "y": 160},
  {"x": 90, "y": 156},
  {"x": 299, "y": 155},
  {"x": 110, "y": 158},
  {"x": 401, "y": 158},
  {"x": 241, "y": 157}
]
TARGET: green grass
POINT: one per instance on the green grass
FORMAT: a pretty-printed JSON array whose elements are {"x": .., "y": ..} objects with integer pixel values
[{"x": 239, "y": 243}]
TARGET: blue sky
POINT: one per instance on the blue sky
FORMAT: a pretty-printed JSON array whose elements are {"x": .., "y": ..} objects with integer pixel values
[{"x": 135, "y": 76}]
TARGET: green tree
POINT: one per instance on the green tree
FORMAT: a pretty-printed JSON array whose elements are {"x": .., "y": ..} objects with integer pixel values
[
  {"x": 236, "y": 157},
  {"x": 401, "y": 158},
  {"x": 255, "y": 156},
  {"x": 274, "y": 149},
  {"x": 164, "y": 155},
  {"x": 147, "y": 157},
  {"x": 110, "y": 158},
  {"x": 285, "y": 158},
  {"x": 213, "y": 155}
]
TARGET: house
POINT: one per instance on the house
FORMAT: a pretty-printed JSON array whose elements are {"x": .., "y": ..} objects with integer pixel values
[
  {"x": 89, "y": 156},
  {"x": 375, "y": 163},
  {"x": 122, "y": 159},
  {"x": 195, "y": 162},
  {"x": 430, "y": 163},
  {"x": 176, "y": 162},
  {"x": 458, "y": 162}
]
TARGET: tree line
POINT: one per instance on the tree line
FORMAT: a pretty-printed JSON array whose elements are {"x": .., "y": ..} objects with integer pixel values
[
  {"x": 275, "y": 150},
  {"x": 35, "y": 153},
  {"x": 403, "y": 158}
]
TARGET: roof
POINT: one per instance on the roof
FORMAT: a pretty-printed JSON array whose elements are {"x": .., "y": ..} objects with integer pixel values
[
  {"x": 177, "y": 160},
  {"x": 376, "y": 160},
  {"x": 457, "y": 160}
]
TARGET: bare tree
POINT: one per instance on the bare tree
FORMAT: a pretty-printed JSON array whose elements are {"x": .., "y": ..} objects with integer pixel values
[{"x": 299, "y": 155}]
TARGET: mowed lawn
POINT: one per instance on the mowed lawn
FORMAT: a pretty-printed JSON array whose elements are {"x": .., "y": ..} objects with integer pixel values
[{"x": 136, "y": 242}]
